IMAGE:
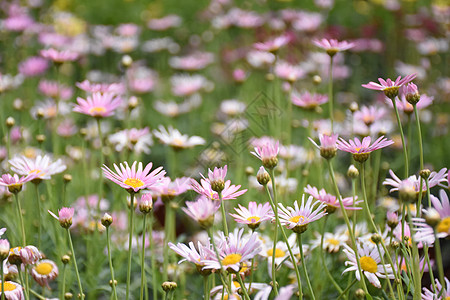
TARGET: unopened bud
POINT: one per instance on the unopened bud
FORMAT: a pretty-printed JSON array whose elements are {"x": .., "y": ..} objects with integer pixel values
[
  {"x": 249, "y": 171},
  {"x": 169, "y": 286},
  {"x": 425, "y": 173},
  {"x": 68, "y": 296},
  {"x": 317, "y": 79},
  {"x": 126, "y": 61},
  {"x": 67, "y": 178},
  {"x": 262, "y": 176},
  {"x": 106, "y": 220},
  {"x": 432, "y": 217},
  {"x": 4, "y": 249},
  {"x": 360, "y": 294},
  {"x": 40, "y": 113},
  {"x": 394, "y": 245},
  {"x": 83, "y": 131},
  {"x": 352, "y": 172},
  {"x": 40, "y": 138},
  {"x": 65, "y": 259},
  {"x": 270, "y": 77},
  {"x": 133, "y": 102},
  {"x": 353, "y": 107},
  {"x": 10, "y": 122},
  {"x": 146, "y": 204},
  {"x": 111, "y": 282},
  {"x": 376, "y": 238}
]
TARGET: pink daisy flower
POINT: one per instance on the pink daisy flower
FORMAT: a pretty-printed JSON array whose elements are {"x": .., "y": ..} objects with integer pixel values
[
  {"x": 434, "y": 179},
  {"x": 204, "y": 188},
  {"x": 98, "y": 105},
  {"x": 307, "y": 100},
  {"x": 298, "y": 218},
  {"x": 369, "y": 114},
  {"x": 41, "y": 166},
  {"x": 111, "y": 88},
  {"x": 175, "y": 139},
  {"x": 370, "y": 261},
  {"x": 44, "y": 271},
  {"x": 33, "y": 66},
  {"x": 202, "y": 211},
  {"x": 234, "y": 250},
  {"x": 272, "y": 45},
  {"x": 332, "y": 46},
  {"x": 429, "y": 295},
  {"x": 254, "y": 215},
  {"x": 168, "y": 188},
  {"x": 331, "y": 202},
  {"x": 132, "y": 179},
  {"x": 193, "y": 255},
  {"x": 406, "y": 107},
  {"x": 268, "y": 153},
  {"x": 389, "y": 87},
  {"x": 13, "y": 290},
  {"x": 442, "y": 206},
  {"x": 14, "y": 183},
  {"x": 288, "y": 72},
  {"x": 65, "y": 215},
  {"x": 328, "y": 147},
  {"x": 362, "y": 149},
  {"x": 59, "y": 56}
]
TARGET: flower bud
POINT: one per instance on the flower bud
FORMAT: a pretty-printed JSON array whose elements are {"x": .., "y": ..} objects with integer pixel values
[
  {"x": 360, "y": 294},
  {"x": 262, "y": 176},
  {"x": 376, "y": 238},
  {"x": 106, "y": 220},
  {"x": 394, "y": 245},
  {"x": 411, "y": 93},
  {"x": 111, "y": 282},
  {"x": 169, "y": 286},
  {"x": 65, "y": 259},
  {"x": 4, "y": 249},
  {"x": 68, "y": 296},
  {"x": 146, "y": 204},
  {"x": 67, "y": 178},
  {"x": 425, "y": 173},
  {"x": 317, "y": 79},
  {"x": 353, "y": 107},
  {"x": 133, "y": 102},
  {"x": 249, "y": 171},
  {"x": 10, "y": 122},
  {"x": 126, "y": 61},
  {"x": 432, "y": 217},
  {"x": 352, "y": 172},
  {"x": 40, "y": 138}
]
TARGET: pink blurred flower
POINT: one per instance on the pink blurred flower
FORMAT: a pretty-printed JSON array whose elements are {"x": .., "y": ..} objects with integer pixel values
[
  {"x": 98, "y": 105},
  {"x": 111, "y": 88},
  {"x": 288, "y": 72},
  {"x": 202, "y": 210},
  {"x": 308, "y": 101},
  {"x": 239, "y": 75},
  {"x": 389, "y": 87},
  {"x": 369, "y": 114},
  {"x": 193, "y": 62},
  {"x": 254, "y": 215},
  {"x": 186, "y": 85},
  {"x": 65, "y": 215},
  {"x": 33, "y": 66},
  {"x": 41, "y": 166},
  {"x": 331, "y": 201},
  {"x": 164, "y": 23},
  {"x": 361, "y": 150},
  {"x": 272, "y": 45},
  {"x": 59, "y": 56},
  {"x": 175, "y": 139},
  {"x": 55, "y": 90},
  {"x": 332, "y": 46}
]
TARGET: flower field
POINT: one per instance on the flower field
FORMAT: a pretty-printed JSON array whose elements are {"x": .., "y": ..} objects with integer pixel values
[{"x": 220, "y": 149}]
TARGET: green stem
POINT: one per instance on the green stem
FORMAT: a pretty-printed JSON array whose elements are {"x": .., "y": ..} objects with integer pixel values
[
  {"x": 347, "y": 288},
  {"x": 3, "y": 279},
  {"x": 205, "y": 288},
  {"x": 330, "y": 91},
  {"x": 385, "y": 272},
  {"x": 399, "y": 123},
  {"x": 349, "y": 227},
  {"x": 415, "y": 260},
  {"x": 37, "y": 295},
  {"x": 75, "y": 265},
  {"x": 299, "y": 237},
  {"x": 130, "y": 240},
  {"x": 63, "y": 286},
  {"x": 143, "y": 258},
  {"x": 19, "y": 212},
  {"x": 153, "y": 260},
  {"x": 102, "y": 161},
  {"x": 275, "y": 234},
  {"x": 430, "y": 269},
  {"x": 419, "y": 133},
  {"x": 437, "y": 249},
  {"x": 38, "y": 198},
  {"x": 111, "y": 268},
  {"x": 224, "y": 216},
  {"x": 243, "y": 289}
]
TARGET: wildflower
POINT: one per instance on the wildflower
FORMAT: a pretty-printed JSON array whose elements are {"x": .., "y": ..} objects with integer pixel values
[
  {"x": 288, "y": 72},
  {"x": 361, "y": 150},
  {"x": 27, "y": 255},
  {"x": 332, "y": 242},
  {"x": 406, "y": 107},
  {"x": 260, "y": 59},
  {"x": 33, "y": 66},
  {"x": 443, "y": 208},
  {"x": 433, "y": 180},
  {"x": 389, "y": 87},
  {"x": 261, "y": 290},
  {"x": 64, "y": 217},
  {"x": 254, "y": 215},
  {"x": 14, "y": 183},
  {"x": 234, "y": 250},
  {"x": 168, "y": 188},
  {"x": 411, "y": 93},
  {"x": 392, "y": 219},
  {"x": 424, "y": 233},
  {"x": 204, "y": 188},
  {"x": 330, "y": 201},
  {"x": 193, "y": 255},
  {"x": 103, "y": 88},
  {"x": 193, "y": 62},
  {"x": 4, "y": 249},
  {"x": 332, "y": 46},
  {"x": 202, "y": 211},
  {"x": 145, "y": 203},
  {"x": 44, "y": 271},
  {"x": 268, "y": 154},
  {"x": 186, "y": 85},
  {"x": 262, "y": 176},
  {"x": 327, "y": 146},
  {"x": 281, "y": 252},
  {"x": 55, "y": 90},
  {"x": 307, "y": 100},
  {"x": 41, "y": 166},
  {"x": 429, "y": 295},
  {"x": 272, "y": 45},
  {"x": 369, "y": 259},
  {"x": 369, "y": 114},
  {"x": 298, "y": 218},
  {"x": 175, "y": 139},
  {"x": 137, "y": 140},
  {"x": 59, "y": 56},
  {"x": 12, "y": 290},
  {"x": 98, "y": 105},
  {"x": 131, "y": 179}
]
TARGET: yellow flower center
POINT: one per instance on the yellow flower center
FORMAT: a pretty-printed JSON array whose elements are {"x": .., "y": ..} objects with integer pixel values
[
  {"x": 278, "y": 253},
  {"x": 297, "y": 219},
  {"x": 134, "y": 182},
  {"x": 231, "y": 259},
  {"x": 44, "y": 268},
  {"x": 37, "y": 172},
  {"x": 368, "y": 264},
  {"x": 8, "y": 287},
  {"x": 97, "y": 110},
  {"x": 236, "y": 284},
  {"x": 253, "y": 219},
  {"x": 333, "y": 241},
  {"x": 444, "y": 225},
  {"x": 177, "y": 142}
]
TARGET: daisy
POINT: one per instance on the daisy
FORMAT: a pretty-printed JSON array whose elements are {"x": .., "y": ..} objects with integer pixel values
[
  {"x": 288, "y": 72},
  {"x": 369, "y": 259},
  {"x": 262, "y": 291},
  {"x": 298, "y": 218},
  {"x": 202, "y": 211},
  {"x": 429, "y": 295},
  {"x": 44, "y": 271},
  {"x": 217, "y": 178},
  {"x": 59, "y": 56},
  {"x": 12, "y": 290},
  {"x": 234, "y": 250},
  {"x": 33, "y": 66},
  {"x": 230, "y": 191},
  {"x": 433, "y": 180},
  {"x": 254, "y": 215},
  {"x": 109, "y": 88},
  {"x": 168, "y": 188},
  {"x": 268, "y": 154},
  {"x": 64, "y": 217},
  {"x": 137, "y": 140},
  {"x": 187, "y": 85},
  {"x": 328, "y": 147},
  {"x": 281, "y": 252},
  {"x": 175, "y": 139},
  {"x": 332, "y": 46},
  {"x": 15, "y": 183},
  {"x": 134, "y": 180},
  {"x": 362, "y": 149},
  {"x": 272, "y": 45},
  {"x": 443, "y": 208},
  {"x": 331, "y": 202},
  {"x": 307, "y": 100},
  {"x": 369, "y": 114},
  {"x": 193, "y": 255},
  {"x": 389, "y": 87},
  {"x": 41, "y": 166},
  {"x": 406, "y": 107},
  {"x": 27, "y": 255},
  {"x": 98, "y": 105},
  {"x": 332, "y": 242},
  {"x": 193, "y": 62}
]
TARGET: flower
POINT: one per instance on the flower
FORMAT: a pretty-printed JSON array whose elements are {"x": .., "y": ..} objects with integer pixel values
[
  {"x": 389, "y": 87},
  {"x": 202, "y": 211},
  {"x": 134, "y": 180},
  {"x": 33, "y": 66},
  {"x": 65, "y": 215},
  {"x": 14, "y": 183},
  {"x": 288, "y": 72},
  {"x": 112, "y": 88},
  {"x": 268, "y": 154},
  {"x": 254, "y": 215},
  {"x": 369, "y": 114},
  {"x": 44, "y": 271},
  {"x": 406, "y": 107},
  {"x": 307, "y": 100},
  {"x": 272, "y": 45},
  {"x": 361, "y": 150},
  {"x": 59, "y": 56},
  {"x": 433, "y": 180},
  {"x": 137, "y": 140},
  {"x": 168, "y": 189},
  {"x": 281, "y": 252},
  {"x": 99, "y": 105},
  {"x": 27, "y": 255},
  {"x": 187, "y": 85},
  {"x": 332, "y": 46},
  {"x": 332, "y": 242},
  {"x": 41, "y": 166},
  {"x": 327, "y": 146},
  {"x": 234, "y": 250},
  {"x": 429, "y": 295},
  {"x": 4, "y": 249},
  {"x": 411, "y": 93},
  {"x": 204, "y": 188},
  {"x": 13, "y": 291},
  {"x": 217, "y": 178},
  {"x": 298, "y": 218},
  {"x": 331, "y": 202},
  {"x": 175, "y": 139},
  {"x": 369, "y": 259},
  {"x": 443, "y": 208},
  {"x": 191, "y": 254}
]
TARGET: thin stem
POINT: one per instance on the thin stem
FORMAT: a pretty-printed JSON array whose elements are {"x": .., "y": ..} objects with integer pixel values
[
  {"x": 63, "y": 287},
  {"x": 38, "y": 198},
  {"x": 40, "y": 297},
  {"x": 437, "y": 249},
  {"x": 102, "y": 161},
  {"x": 224, "y": 216},
  {"x": 3, "y": 279},
  {"x": 275, "y": 234},
  {"x": 205, "y": 288},
  {"x": 19, "y": 212},
  {"x": 330, "y": 91},
  {"x": 143, "y": 259},
  {"x": 75, "y": 265},
  {"x": 415, "y": 259},
  {"x": 243, "y": 289},
  {"x": 299, "y": 237},
  {"x": 130, "y": 240},
  {"x": 430, "y": 269},
  {"x": 111, "y": 268},
  {"x": 153, "y": 260},
  {"x": 419, "y": 133},
  {"x": 347, "y": 288},
  {"x": 385, "y": 272},
  {"x": 399, "y": 123}
]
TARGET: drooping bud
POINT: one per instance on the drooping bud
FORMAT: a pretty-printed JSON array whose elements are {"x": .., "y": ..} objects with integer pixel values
[
  {"x": 352, "y": 172},
  {"x": 263, "y": 176},
  {"x": 411, "y": 93}
]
